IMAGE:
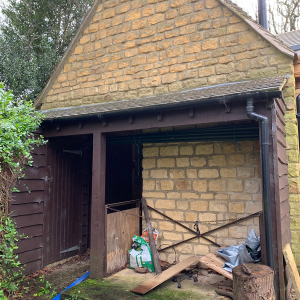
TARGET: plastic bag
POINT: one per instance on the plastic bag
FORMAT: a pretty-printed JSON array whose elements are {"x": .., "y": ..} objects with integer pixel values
[
  {"x": 145, "y": 235},
  {"x": 141, "y": 257},
  {"x": 249, "y": 252}
]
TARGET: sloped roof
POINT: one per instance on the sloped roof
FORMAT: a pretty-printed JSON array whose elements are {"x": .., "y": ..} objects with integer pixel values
[
  {"x": 227, "y": 3},
  {"x": 291, "y": 39},
  {"x": 241, "y": 89}
]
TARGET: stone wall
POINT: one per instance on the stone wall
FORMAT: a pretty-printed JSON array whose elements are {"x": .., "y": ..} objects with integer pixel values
[
  {"x": 133, "y": 49},
  {"x": 205, "y": 181}
]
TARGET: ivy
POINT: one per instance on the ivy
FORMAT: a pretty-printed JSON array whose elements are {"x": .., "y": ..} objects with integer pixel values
[{"x": 19, "y": 122}]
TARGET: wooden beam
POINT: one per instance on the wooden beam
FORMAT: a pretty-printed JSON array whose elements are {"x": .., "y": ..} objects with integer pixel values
[
  {"x": 154, "y": 252},
  {"x": 98, "y": 215}
]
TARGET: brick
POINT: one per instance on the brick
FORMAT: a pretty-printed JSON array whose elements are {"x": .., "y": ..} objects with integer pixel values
[
  {"x": 204, "y": 149},
  {"x": 183, "y": 185},
  {"x": 200, "y": 185},
  {"x": 149, "y": 163},
  {"x": 235, "y": 185},
  {"x": 199, "y": 206},
  {"x": 148, "y": 185},
  {"x": 208, "y": 173},
  {"x": 182, "y": 162},
  {"x": 165, "y": 204},
  {"x": 191, "y": 173},
  {"x": 236, "y": 159},
  {"x": 190, "y": 217},
  {"x": 217, "y": 185},
  {"x": 169, "y": 151},
  {"x": 167, "y": 226},
  {"x": 237, "y": 207},
  {"x": 207, "y": 217},
  {"x": 198, "y": 161}
]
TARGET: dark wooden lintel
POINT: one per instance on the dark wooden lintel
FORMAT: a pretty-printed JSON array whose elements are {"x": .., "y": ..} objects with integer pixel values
[
  {"x": 191, "y": 112},
  {"x": 130, "y": 119}
]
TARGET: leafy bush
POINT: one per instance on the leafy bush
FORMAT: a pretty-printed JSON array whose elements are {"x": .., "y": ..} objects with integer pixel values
[{"x": 18, "y": 122}]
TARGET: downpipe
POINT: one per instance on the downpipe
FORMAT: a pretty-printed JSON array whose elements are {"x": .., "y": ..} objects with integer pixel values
[
  {"x": 298, "y": 116},
  {"x": 264, "y": 128}
]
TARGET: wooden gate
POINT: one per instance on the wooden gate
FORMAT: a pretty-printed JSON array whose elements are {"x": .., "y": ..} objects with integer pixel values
[
  {"x": 63, "y": 204},
  {"x": 121, "y": 227}
]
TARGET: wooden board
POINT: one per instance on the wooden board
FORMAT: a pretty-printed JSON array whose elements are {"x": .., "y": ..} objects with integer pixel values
[
  {"x": 215, "y": 262},
  {"x": 121, "y": 228},
  {"x": 164, "y": 276},
  {"x": 290, "y": 261}
]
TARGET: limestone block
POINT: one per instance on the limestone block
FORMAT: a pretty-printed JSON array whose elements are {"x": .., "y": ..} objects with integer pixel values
[
  {"x": 191, "y": 217},
  {"x": 217, "y": 161},
  {"x": 235, "y": 185},
  {"x": 145, "y": 174},
  {"x": 204, "y": 149},
  {"x": 172, "y": 236},
  {"x": 167, "y": 185},
  {"x": 240, "y": 197},
  {"x": 153, "y": 195},
  {"x": 167, "y": 226},
  {"x": 208, "y": 173},
  {"x": 183, "y": 185},
  {"x": 150, "y": 152},
  {"x": 238, "y": 232},
  {"x": 148, "y": 185},
  {"x": 218, "y": 206},
  {"x": 173, "y": 195},
  {"x": 237, "y": 207},
  {"x": 166, "y": 162},
  {"x": 199, "y": 206},
  {"x": 201, "y": 249},
  {"x": 236, "y": 159},
  {"x": 182, "y": 205},
  {"x": 207, "y": 196},
  {"x": 200, "y": 185},
  {"x": 177, "y": 173},
  {"x": 185, "y": 248},
  {"x": 228, "y": 172},
  {"x": 176, "y": 215},
  {"x": 245, "y": 172},
  {"x": 149, "y": 163},
  {"x": 161, "y": 173},
  {"x": 190, "y": 196},
  {"x": 252, "y": 207},
  {"x": 186, "y": 150},
  {"x": 169, "y": 151},
  {"x": 217, "y": 185},
  {"x": 182, "y": 162},
  {"x": 251, "y": 186},
  {"x": 221, "y": 197}
]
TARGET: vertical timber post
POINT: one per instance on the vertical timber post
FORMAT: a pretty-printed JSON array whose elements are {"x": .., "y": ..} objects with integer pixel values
[{"x": 98, "y": 218}]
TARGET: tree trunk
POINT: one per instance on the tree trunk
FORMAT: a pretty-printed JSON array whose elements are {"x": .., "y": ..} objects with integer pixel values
[{"x": 256, "y": 286}]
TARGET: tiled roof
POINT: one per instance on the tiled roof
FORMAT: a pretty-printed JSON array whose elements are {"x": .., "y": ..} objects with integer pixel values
[
  {"x": 291, "y": 38},
  {"x": 161, "y": 101}
]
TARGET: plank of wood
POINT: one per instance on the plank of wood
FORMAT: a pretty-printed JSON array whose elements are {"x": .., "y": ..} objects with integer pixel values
[
  {"x": 290, "y": 261},
  {"x": 154, "y": 252},
  {"x": 215, "y": 262},
  {"x": 164, "y": 276}
]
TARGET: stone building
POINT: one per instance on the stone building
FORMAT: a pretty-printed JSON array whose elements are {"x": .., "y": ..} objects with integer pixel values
[{"x": 172, "y": 79}]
